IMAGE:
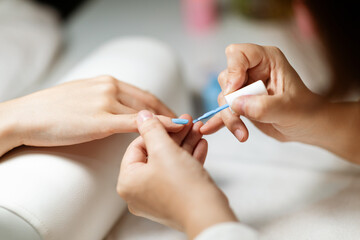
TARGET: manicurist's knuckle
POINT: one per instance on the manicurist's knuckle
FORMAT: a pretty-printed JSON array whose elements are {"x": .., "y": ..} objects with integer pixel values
[
  {"x": 275, "y": 50},
  {"x": 259, "y": 111},
  {"x": 220, "y": 98},
  {"x": 231, "y": 49},
  {"x": 122, "y": 190},
  {"x": 222, "y": 77}
]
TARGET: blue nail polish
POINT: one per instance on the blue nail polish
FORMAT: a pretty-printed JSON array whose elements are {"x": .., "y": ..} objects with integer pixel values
[{"x": 180, "y": 121}]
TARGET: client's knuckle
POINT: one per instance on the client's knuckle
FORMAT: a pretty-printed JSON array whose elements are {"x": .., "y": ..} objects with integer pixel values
[
  {"x": 108, "y": 79},
  {"x": 105, "y": 103}
]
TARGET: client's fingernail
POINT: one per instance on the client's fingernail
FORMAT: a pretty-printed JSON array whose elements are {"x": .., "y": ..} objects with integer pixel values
[
  {"x": 239, "y": 134},
  {"x": 180, "y": 121},
  {"x": 144, "y": 115}
]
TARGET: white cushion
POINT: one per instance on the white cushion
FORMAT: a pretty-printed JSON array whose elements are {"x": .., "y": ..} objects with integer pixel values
[{"x": 70, "y": 192}]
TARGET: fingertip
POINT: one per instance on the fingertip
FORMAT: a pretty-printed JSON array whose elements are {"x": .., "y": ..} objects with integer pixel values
[
  {"x": 198, "y": 125},
  {"x": 204, "y": 129},
  {"x": 204, "y": 143},
  {"x": 169, "y": 124},
  {"x": 201, "y": 150},
  {"x": 211, "y": 126},
  {"x": 186, "y": 116},
  {"x": 241, "y": 134}
]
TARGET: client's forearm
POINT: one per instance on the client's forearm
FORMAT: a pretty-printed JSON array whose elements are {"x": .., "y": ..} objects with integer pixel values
[
  {"x": 8, "y": 138},
  {"x": 336, "y": 127}
]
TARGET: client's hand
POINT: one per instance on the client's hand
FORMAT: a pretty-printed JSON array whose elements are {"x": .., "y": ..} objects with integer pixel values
[
  {"x": 162, "y": 178},
  {"x": 76, "y": 112},
  {"x": 286, "y": 114}
]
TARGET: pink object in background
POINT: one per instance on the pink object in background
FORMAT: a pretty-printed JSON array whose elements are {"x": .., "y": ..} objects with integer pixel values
[
  {"x": 199, "y": 15},
  {"x": 304, "y": 20}
]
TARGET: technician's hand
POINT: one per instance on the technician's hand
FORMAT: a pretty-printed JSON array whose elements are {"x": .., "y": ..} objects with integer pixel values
[
  {"x": 162, "y": 178},
  {"x": 286, "y": 114},
  {"x": 77, "y": 112}
]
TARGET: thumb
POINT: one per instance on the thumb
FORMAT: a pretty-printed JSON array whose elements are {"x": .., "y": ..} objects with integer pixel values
[
  {"x": 261, "y": 108},
  {"x": 152, "y": 131}
]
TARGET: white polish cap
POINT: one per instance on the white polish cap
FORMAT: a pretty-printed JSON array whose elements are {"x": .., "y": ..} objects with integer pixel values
[{"x": 256, "y": 88}]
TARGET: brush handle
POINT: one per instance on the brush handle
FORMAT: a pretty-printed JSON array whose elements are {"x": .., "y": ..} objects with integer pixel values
[
  {"x": 256, "y": 88},
  {"x": 212, "y": 112}
]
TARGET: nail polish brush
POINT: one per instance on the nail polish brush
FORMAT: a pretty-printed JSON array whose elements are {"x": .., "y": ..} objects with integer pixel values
[{"x": 256, "y": 88}]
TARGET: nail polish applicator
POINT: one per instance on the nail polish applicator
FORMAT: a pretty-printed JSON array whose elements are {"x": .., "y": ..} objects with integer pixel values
[{"x": 256, "y": 88}]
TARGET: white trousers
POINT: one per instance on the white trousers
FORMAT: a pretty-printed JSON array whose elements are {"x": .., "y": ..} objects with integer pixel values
[{"x": 70, "y": 192}]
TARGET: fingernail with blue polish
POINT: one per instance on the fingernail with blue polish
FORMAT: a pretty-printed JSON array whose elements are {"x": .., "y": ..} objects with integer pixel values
[{"x": 180, "y": 121}]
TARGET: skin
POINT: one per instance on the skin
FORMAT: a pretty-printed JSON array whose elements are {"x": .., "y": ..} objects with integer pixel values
[
  {"x": 77, "y": 112},
  {"x": 164, "y": 180},
  {"x": 291, "y": 112}
]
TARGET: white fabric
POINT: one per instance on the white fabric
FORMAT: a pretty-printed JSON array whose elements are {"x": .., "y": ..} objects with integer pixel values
[
  {"x": 29, "y": 39},
  {"x": 228, "y": 231},
  {"x": 70, "y": 192}
]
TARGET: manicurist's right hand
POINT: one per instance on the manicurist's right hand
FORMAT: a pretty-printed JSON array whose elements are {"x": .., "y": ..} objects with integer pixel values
[
  {"x": 162, "y": 178},
  {"x": 285, "y": 114}
]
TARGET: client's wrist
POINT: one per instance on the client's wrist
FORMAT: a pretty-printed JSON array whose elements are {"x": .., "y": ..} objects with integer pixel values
[
  {"x": 9, "y": 138},
  {"x": 208, "y": 208}
]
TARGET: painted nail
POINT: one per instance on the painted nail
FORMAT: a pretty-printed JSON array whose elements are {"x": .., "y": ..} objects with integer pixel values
[
  {"x": 144, "y": 115},
  {"x": 239, "y": 135},
  {"x": 180, "y": 121}
]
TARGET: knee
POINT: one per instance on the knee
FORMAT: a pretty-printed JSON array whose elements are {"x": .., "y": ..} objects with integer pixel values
[{"x": 145, "y": 47}]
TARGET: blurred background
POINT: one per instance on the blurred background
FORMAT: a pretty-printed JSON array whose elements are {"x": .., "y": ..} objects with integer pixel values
[{"x": 198, "y": 30}]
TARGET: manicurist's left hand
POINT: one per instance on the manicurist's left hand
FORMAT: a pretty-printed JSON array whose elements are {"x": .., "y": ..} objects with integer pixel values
[{"x": 162, "y": 178}]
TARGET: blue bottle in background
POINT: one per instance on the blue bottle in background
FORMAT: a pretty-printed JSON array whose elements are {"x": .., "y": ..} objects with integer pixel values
[{"x": 210, "y": 93}]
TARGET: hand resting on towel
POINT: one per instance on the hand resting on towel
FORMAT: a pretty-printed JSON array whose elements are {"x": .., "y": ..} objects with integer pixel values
[{"x": 77, "y": 112}]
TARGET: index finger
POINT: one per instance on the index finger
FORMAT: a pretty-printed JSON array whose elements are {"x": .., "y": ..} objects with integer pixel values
[
  {"x": 241, "y": 58},
  {"x": 153, "y": 132},
  {"x": 126, "y": 123}
]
